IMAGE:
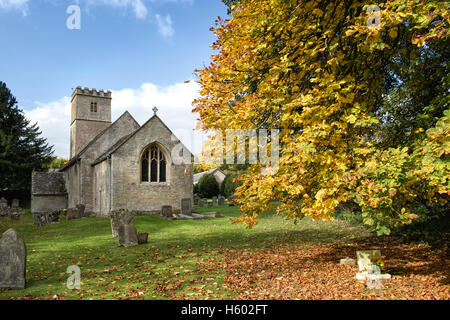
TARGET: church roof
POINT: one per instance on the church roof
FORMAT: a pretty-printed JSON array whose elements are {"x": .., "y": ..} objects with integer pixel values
[
  {"x": 48, "y": 183},
  {"x": 111, "y": 150},
  {"x": 197, "y": 176},
  {"x": 77, "y": 156},
  {"x": 122, "y": 141}
]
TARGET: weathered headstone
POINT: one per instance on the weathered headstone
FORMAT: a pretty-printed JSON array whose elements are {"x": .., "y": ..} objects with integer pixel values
[
  {"x": 14, "y": 214},
  {"x": 71, "y": 214},
  {"x": 214, "y": 200},
  {"x": 142, "y": 238},
  {"x": 3, "y": 203},
  {"x": 366, "y": 257},
  {"x": 118, "y": 218},
  {"x": 210, "y": 203},
  {"x": 221, "y": 201},
  {"x": 80, "y": 208},
  {"x": 53, "y": 217},
  {"x": 211, "y": 215},
  {"x": 15, "y": 203},
  {"x": 200, "y": 203},
  {"x": 186, "y": 206},
  {"x": 166, "y": 211},
  {"x": 128, "y": 235},
  {"x": 13, "y": 257},
  {"x": 196, "y": 199},
  {"x": 40, "y": 219}
]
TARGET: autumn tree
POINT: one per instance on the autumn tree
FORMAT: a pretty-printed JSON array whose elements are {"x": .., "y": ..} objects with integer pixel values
[{"x": 323, "y": 72}]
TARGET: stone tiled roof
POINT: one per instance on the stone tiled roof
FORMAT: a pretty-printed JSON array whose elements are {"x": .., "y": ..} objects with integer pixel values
[
  {"x": 77, "y": 156},
  {"x": 197, "y": 176},
  {"x": 111, "y": 150},
  {"x": 48, "y": 183}
]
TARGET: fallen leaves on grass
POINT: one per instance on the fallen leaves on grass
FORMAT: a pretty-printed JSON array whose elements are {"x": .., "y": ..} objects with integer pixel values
[{"x": 312, "y": 271}]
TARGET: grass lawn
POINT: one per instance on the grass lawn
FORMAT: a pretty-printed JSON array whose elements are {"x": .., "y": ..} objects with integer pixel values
[{"x": 210, "y": 259}]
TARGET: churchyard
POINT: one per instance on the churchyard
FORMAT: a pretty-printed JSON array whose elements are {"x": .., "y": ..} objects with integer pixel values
[{"x": 215, "y": 259}]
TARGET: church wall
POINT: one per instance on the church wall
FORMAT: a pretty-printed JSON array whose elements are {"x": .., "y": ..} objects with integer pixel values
[
  {"x": 122, "y": 127},
  {"x": 72, "y": 186},
  {"x": 132, "y": 194},
  {"x": 101, "y": 189}
]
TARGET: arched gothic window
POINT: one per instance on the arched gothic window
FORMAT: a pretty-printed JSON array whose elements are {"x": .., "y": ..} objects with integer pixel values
[{"x": 153, "y": 165}]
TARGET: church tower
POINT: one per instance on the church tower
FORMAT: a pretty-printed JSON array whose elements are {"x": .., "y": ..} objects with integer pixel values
[{"x": 91, "y": 114}]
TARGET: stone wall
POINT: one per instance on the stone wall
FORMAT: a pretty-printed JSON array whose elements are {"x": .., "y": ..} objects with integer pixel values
[
  {"x": 48, "y": 192},
  {"x": 101, "y": 189},
  {"x": 120, "y": 128},
  {"x": 86, "y": 125},
  {"x": 147, "y": 197}
]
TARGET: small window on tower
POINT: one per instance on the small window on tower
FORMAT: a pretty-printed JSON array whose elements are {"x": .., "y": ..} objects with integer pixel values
[{"x": 93, "y": 106}]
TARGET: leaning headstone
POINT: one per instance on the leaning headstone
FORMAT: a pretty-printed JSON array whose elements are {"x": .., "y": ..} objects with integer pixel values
[
  {"x": 128, "y": 235},
  {"x": 13, "y": 257},
  {"x": 186, "y": 206},
  {"x": 15, "y": 203},
  {"x": 166, "y": 211}
]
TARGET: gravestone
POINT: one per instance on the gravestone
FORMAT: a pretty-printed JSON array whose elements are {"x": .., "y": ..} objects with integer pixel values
[
  {"x": 166, "y": 211},
  {"x": 3, "y": 203},
  {"x": 214, "y": 200},
  {"x": 14, "y": 214},
  {"x": 15, "y": 203},
  {"x": 13, "y": 257},
  {"x": 186, "y": 206},
  {"x": 200, "y": 203},
  {"x": 211, "y": 215},
  {"x": 196, "y": 199},
  {"x": 365, "y": 258},
  {"x": 221, "y": 201},
  {"x": 128, "y": 235},
  {"x": 72, "y": 214},
  {"x": 80, "y": 208},
  {"x": 142, "y": 238},
  {"x": 119, "y": 218},
  {"x": 347, "y": 261},
  {"x": 41, "y": 219},
  {"x": 210, "y": 203}
]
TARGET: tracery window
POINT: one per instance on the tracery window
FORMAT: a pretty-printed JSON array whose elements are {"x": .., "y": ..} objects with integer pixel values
[{"x": 153, "y": 165}]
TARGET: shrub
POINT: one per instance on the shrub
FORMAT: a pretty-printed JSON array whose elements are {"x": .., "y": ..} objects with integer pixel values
[
  {"x": 228, "y": 186},
  {"x": 208, "y": 186}
]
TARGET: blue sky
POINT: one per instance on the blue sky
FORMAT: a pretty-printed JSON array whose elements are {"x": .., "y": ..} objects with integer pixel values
[{"x": 142, "y": 50}]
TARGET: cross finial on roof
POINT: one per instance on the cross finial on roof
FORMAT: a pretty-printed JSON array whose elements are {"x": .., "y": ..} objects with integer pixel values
[{"x": 155, "y": 110}]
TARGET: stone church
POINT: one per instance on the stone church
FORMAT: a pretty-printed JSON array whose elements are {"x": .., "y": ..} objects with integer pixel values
[{"x": 119, "y": 165}]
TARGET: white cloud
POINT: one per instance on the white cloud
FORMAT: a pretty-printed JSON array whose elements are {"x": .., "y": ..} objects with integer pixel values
[
  {"x": 53, "y": 119},
  {"x": 138, "y": 6},
  {"x": 15, "y": 4},
  {"x": 174, "y": 104},
  {"x": 164, "y": 24}
]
